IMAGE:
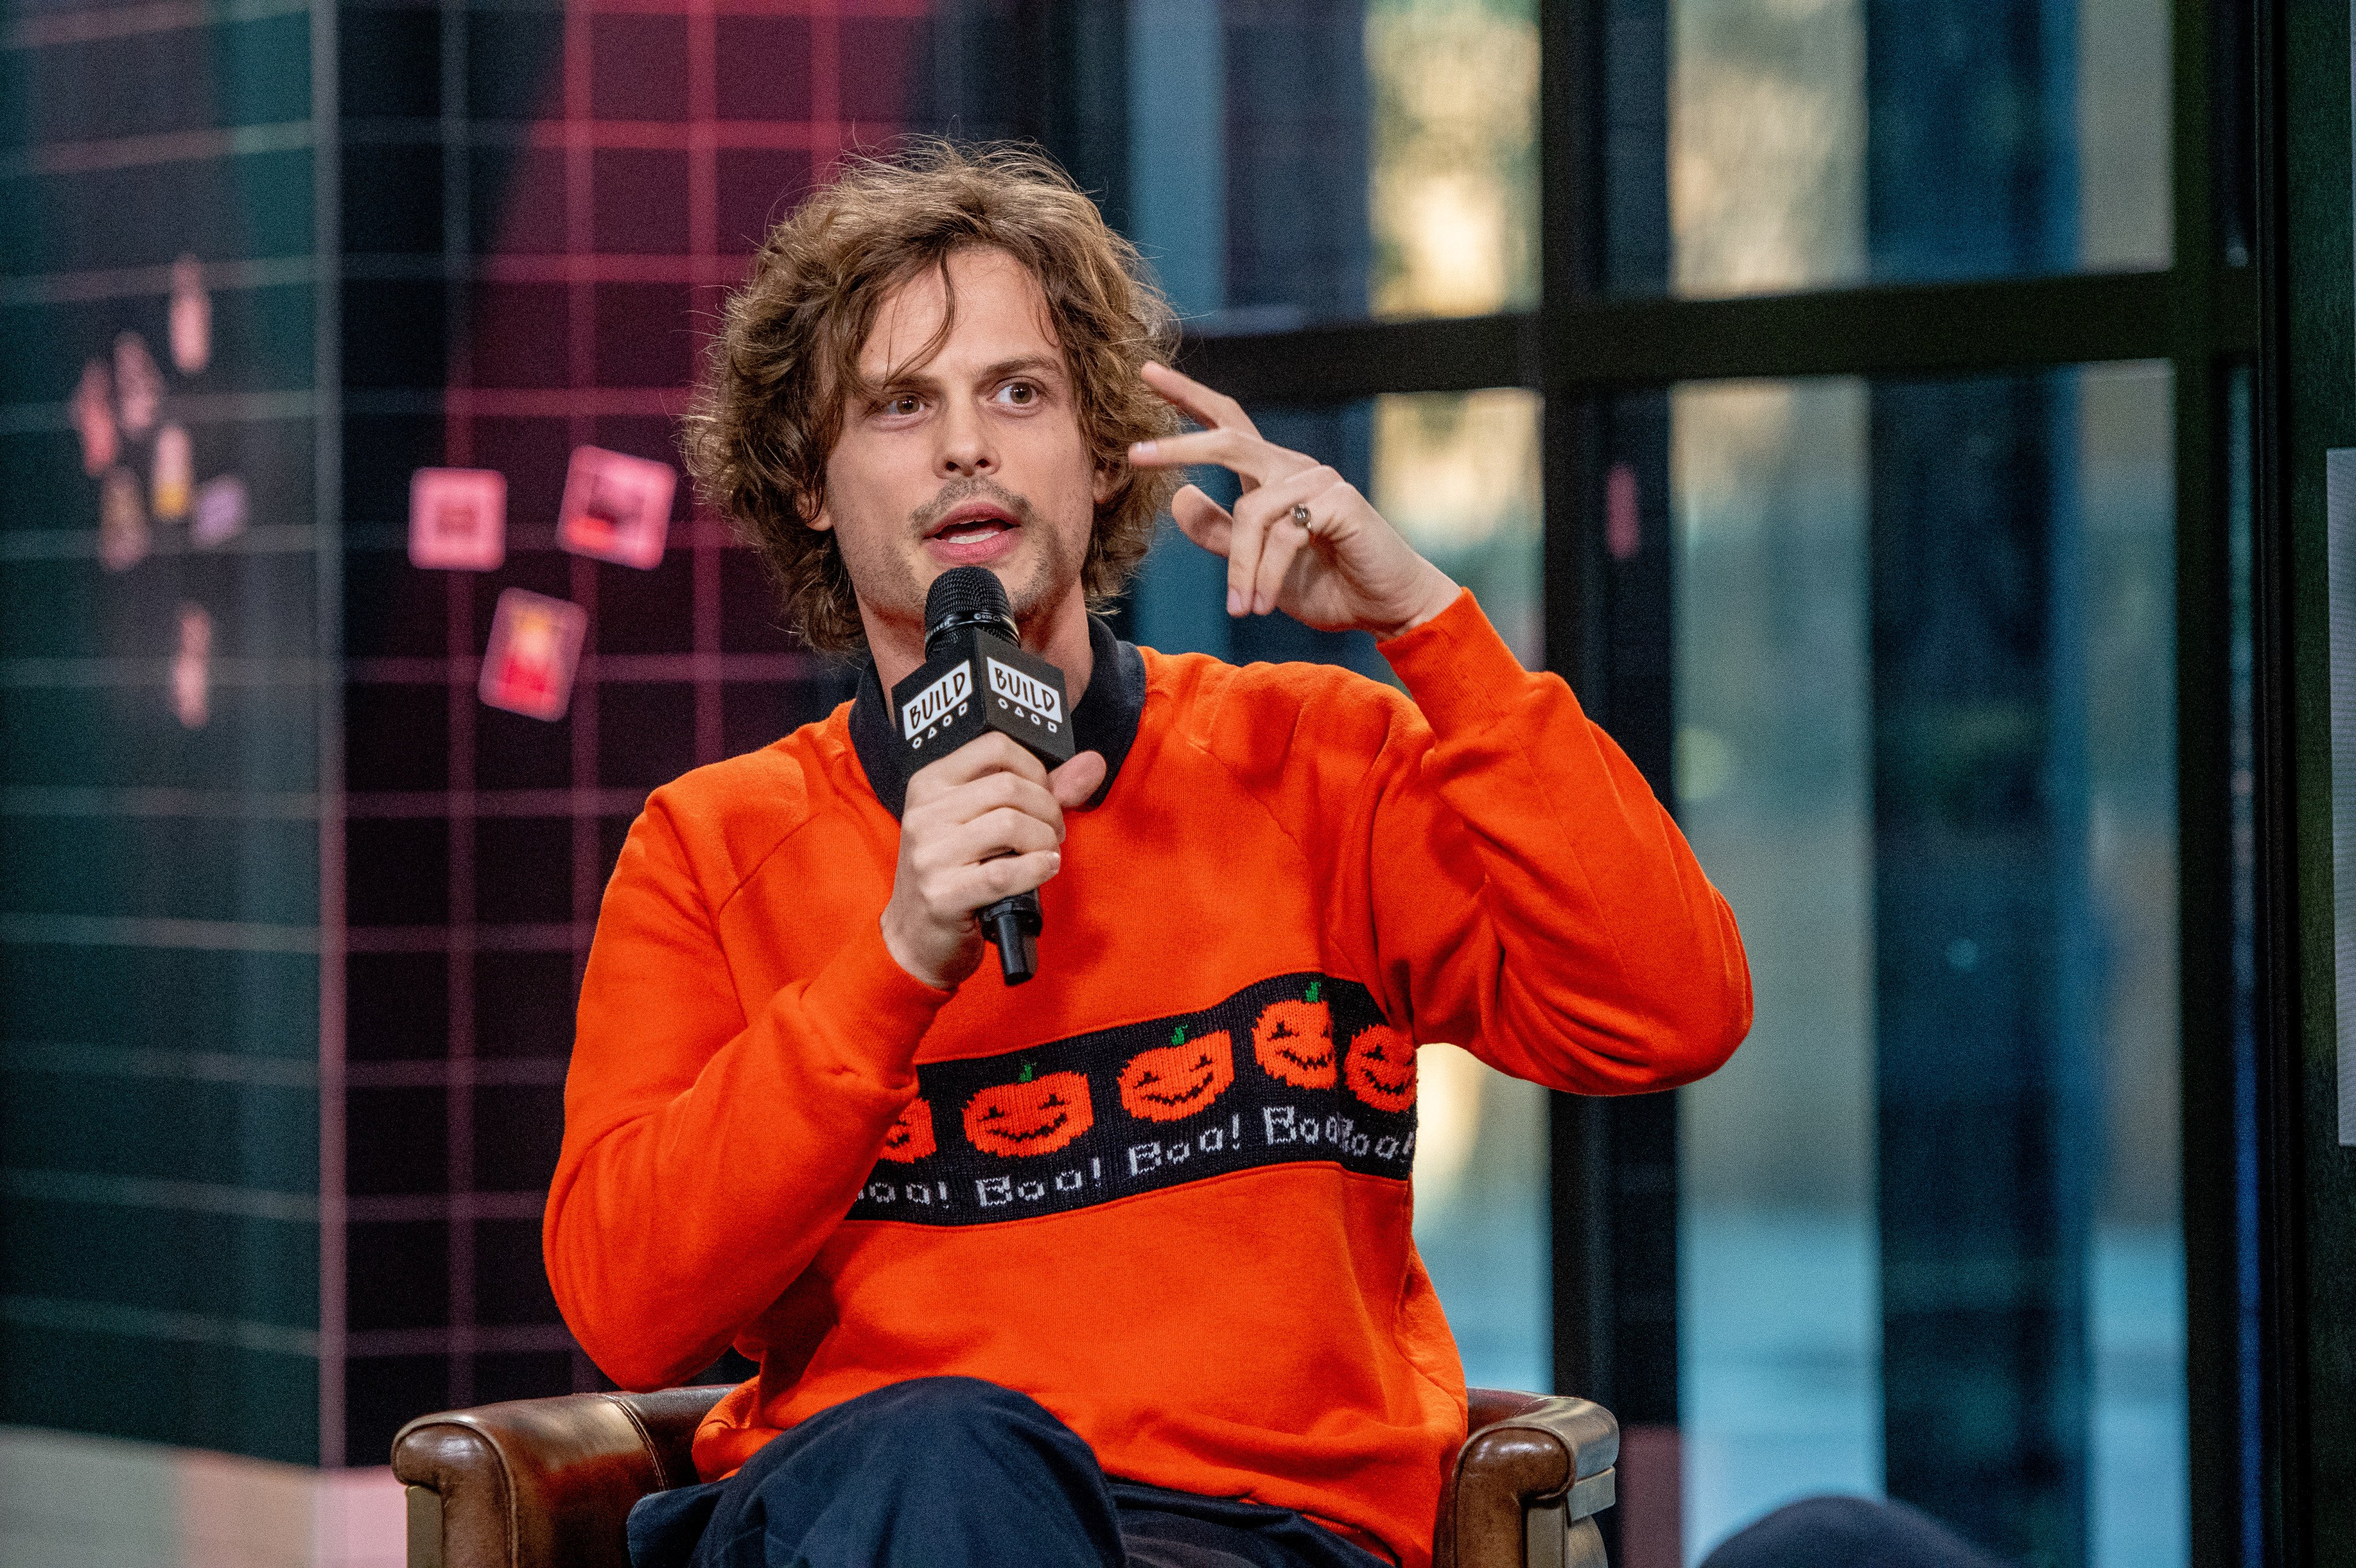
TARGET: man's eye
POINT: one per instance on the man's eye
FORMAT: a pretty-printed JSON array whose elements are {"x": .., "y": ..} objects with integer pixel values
[
  {"x": 1020, "y": 393},
  {"x": 905, "y": 403}
]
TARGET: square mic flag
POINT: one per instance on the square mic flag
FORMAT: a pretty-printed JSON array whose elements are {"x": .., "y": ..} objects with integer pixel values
[
  {"x": 458, "y": 519},
  {"x": 616, "y": 507},
  {"x": 534, "y": 649}
]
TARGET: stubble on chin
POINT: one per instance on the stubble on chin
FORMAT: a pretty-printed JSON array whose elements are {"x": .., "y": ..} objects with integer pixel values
[
  {"x": 1053, "y": 576},
  {"x": 882, "y": 579},
  {"x": 1056, "y": 565}
]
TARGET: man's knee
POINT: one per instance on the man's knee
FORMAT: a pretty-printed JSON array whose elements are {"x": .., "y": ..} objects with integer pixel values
[
  {"x": 922, "y": 1464},
  {"x": 946, "y": 1404},
  {"x": 924, "y": 1416},
  {"x": 941, "y": 1426}
]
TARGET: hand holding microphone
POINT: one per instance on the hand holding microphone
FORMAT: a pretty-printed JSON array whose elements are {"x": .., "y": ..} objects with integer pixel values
[{"x": 984, "y": 817}]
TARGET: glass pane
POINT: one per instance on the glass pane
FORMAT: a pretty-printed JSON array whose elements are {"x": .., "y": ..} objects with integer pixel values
[
  {"x": 1458, "y": 473},
  {"x": 1780, "y": 1322},
  {"x": 1480, "y": 1214},
  {"x": 1823, "y": 142},
  {"x": 1925, "y": 743},
  {"x": 2124, "y": 491},
  {"x": 1336, "y": 158}
]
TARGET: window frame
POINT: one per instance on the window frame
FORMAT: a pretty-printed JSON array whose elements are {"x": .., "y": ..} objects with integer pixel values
[{"x": 2216, "y": 314}]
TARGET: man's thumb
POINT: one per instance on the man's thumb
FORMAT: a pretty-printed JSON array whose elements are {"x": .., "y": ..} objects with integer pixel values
[{"x": 1077, "y": 780}]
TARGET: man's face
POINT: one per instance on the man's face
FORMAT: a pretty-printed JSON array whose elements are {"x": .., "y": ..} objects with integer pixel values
[{"x": 973, "y": 457}]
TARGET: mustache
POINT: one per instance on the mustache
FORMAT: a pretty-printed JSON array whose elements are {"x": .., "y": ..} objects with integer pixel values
[{"x": 957, "y": 492}]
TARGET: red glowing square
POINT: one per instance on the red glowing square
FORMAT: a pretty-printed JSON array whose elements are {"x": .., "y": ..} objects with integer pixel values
[
  {"x": 616, "y": 507},
  {"x": 458, "y": 519},
  {"x": 535, "y": 647}
]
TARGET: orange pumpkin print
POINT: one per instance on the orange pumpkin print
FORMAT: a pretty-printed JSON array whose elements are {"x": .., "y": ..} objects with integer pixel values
[
  {"x": 1177, "y": 1080},
  {"x": 1381, "y": 1068},
  {"x": 911, "y": 1137},
  {"x": 1294, "y": 1042},
  {"x": 1030, "y": 1116}
]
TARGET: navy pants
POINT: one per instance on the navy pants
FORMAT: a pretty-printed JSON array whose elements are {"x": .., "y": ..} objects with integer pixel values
[{"x": 957, "y": 1473}]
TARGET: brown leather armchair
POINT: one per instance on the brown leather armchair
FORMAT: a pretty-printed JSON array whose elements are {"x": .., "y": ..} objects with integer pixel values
[{"x": 547, "y": 1483}]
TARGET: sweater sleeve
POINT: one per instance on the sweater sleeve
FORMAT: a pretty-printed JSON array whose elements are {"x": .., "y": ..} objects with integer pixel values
[
  {"x": 707, "y": 1155},
  {"x": 1531, "y": 900}
]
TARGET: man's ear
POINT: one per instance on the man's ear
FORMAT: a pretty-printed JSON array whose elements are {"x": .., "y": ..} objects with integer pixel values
[
  {"x": 1106, "y": 483},
  {"x": 817, "y": 519}
]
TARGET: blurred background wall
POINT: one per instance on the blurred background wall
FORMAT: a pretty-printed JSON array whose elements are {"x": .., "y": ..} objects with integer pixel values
[
  {"x": 169, "y": 751},
  {"x": 294, "y": 918}
]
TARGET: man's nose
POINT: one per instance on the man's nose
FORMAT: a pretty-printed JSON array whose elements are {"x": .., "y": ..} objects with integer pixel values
[{"x": 966, "y": 446}]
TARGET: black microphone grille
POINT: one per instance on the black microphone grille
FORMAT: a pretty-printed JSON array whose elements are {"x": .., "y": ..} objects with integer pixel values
[{"x": 964, "y": 595}]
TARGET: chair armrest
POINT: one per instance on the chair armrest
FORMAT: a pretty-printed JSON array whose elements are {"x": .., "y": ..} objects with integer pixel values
[
  {"x": 542, "y": 1483},
  {"x": 1533, "y": 1471}
]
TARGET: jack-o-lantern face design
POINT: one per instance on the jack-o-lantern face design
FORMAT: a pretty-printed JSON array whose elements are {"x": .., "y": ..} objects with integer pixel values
[
  {"x": 911, "y": 1137},
  {"x": 1294, "y": 1042},
  {"x": 1179, "y": 1079},
  {"x": 1381, "y": 1068},
  {"x": 1030, "y": 1116}
]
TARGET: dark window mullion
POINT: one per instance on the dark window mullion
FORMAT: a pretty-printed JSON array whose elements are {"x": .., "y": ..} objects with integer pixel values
[
  {"x": 1346, "y": 361},
  {"x": 1604, "y": 342},
  {"x": 1960, "y": 328}
]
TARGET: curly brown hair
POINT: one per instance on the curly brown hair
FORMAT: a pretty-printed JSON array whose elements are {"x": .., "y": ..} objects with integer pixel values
[{"x": 770, "y": 406}]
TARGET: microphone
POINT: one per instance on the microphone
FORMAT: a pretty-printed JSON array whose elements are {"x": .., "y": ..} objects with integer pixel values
[{"x": 976, "y": 679}]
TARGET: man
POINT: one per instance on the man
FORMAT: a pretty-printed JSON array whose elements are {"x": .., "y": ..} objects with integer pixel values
[{"x": 1117, "y": 1265}]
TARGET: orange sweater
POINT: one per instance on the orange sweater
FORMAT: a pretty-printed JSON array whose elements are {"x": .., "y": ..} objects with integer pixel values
[{"x": 1163, "y": 1187}]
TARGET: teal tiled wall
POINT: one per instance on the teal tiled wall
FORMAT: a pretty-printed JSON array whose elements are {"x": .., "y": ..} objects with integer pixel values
[
  {"x": 159, "y": 880},
  {"x": 170, "y": 1268}
]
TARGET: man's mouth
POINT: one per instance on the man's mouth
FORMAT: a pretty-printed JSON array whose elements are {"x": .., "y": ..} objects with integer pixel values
[
  {"x": 973, "y": 523},
  {"x": 977, "y": 532}
]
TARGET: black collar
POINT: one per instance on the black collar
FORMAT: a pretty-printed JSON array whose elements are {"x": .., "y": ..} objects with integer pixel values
[{"x": 1106, "y": 720}]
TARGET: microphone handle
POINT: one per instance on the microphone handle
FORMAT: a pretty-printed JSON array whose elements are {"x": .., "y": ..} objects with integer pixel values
[{"x": 1013, "y": 925}]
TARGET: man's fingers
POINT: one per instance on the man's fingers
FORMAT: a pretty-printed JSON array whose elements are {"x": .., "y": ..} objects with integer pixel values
[
  {"x": 1197, "y": 401},
  {"x": 956, "y": 893},
  {"x": 1256, "y": 461},
  {"x": 989, "y": 753},
  {"x": 1241, "y": 451},
  {"x": 1005, "y": 831},
  {"x": 978, "y": 887},
  {"x": 1245, "y": 542},
  {"x": 1270, "y": 510},
  {"x": 975, "y": 799},
  {"x": 1077, "y": 779},
  {"x": 1202, "y": 519},
  {"x": 1284, "y": 540}
]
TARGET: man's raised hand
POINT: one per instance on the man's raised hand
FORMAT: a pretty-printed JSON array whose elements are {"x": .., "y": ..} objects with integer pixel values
[
  {"x": 981, "y": 824},
  {"x": 1347, "y": 569}
]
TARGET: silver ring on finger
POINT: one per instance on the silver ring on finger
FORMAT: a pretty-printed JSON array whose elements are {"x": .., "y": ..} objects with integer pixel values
[{"x": 1301, "y": 518}]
